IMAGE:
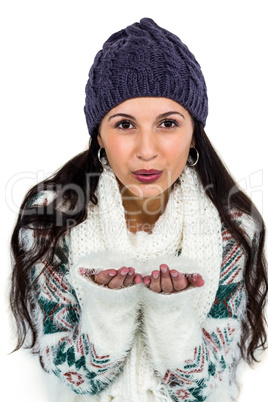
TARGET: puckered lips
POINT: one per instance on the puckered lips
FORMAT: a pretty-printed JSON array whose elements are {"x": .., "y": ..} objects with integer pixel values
[{"x": 147, "y": 176}]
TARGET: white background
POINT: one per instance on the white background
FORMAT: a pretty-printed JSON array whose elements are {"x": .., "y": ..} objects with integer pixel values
[{"x": 47, "y": 48}]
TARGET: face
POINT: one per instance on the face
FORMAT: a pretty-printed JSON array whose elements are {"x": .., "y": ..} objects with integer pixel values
[{"x": 147, "y": 142}]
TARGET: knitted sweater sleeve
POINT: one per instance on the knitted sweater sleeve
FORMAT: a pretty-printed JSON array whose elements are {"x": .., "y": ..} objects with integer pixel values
[
  {"x": 194, "y": 358},
  {"x": 76, "y": 339}
]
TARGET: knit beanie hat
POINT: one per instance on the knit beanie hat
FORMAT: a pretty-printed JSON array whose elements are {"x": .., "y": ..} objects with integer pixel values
[{"x": 144, "y": 60}]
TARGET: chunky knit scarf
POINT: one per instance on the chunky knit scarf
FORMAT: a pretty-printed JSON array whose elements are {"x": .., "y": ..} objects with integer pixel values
[{"x": 190, "y": 225}]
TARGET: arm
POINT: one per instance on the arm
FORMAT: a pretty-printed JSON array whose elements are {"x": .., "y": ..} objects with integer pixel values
[
  {"x": 192, "y": 357},
  {"x": 84, "y": 342}
]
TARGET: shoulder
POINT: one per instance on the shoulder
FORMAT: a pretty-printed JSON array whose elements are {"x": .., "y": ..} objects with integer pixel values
[
  {"x": 249, "y": 224},
  {"x": 233, "y": 252},
  {"x": 246, "y": 226},
  {"x": 41, "y": 198},
  {"x": 35, "y": 217}
]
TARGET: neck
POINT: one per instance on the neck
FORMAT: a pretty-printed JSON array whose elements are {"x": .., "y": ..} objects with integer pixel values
[{"x": 142, "y": 213}]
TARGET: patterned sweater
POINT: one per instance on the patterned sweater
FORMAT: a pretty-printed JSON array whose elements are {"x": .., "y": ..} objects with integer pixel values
[
  {"x": 132, "y": 344},
  {"x": 195, "y": 362}
]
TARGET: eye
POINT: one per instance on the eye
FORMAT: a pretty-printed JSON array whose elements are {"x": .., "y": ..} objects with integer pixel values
[
  {"x": 169, "y": 123},
  {"x": 124, "y": 125}
]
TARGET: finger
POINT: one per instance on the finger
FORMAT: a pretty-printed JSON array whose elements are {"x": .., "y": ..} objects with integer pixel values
[
  {"x": 155, "y": 282},
  {"x": 129, "y": 278},
  {"x": 196, "y": 280},
  {"x": 117, "y": 281},
  {"x": 147, "y": 280},
  {"x": 104, "y": 277},
  {"x": 179, "y": 281},
  {"x": 165, "y": 281},
  {"x": 138, "y": 279}
]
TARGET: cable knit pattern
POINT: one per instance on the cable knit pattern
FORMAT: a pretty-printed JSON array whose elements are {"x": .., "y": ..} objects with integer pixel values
[
  {"x": 144, "y": 60},
  {"x": 133, "y": 344}
]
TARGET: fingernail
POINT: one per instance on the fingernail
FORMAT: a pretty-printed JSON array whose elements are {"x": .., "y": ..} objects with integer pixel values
[
  {"x": 163, "y": 269},
  {"x": 155, "y": 275},
  {"x": 124, "y": 272},
  {"x": 112, "y": 273},
  {"x": 174, "y": 274}
]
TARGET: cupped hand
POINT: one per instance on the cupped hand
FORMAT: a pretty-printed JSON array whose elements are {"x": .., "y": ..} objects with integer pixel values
[
  {"x": 113, "y": 278},
  {"x": 171, "y": 281}
]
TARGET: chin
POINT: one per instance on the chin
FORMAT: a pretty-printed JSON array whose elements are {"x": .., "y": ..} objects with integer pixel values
[
  {"x": 142, "y": 190},
  {"x": 148, "y": 193}
]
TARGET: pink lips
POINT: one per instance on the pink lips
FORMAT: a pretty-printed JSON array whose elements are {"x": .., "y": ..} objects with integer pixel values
[{"x": 147, "y": 176}]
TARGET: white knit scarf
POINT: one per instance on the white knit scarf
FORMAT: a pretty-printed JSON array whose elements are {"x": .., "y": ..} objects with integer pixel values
[{"x": 190, "y": 223}]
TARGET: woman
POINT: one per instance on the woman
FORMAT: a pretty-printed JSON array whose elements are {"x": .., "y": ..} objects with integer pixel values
[{"x": 139, "y": 271}]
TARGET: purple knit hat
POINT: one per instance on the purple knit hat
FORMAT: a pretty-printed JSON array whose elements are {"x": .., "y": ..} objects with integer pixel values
[{"x": 144, "y": 60}]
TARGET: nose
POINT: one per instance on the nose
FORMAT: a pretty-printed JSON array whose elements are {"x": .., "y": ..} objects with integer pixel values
[{"x": 146, "y": 146}]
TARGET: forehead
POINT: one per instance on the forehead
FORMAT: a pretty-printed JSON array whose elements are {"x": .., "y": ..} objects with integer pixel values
[{"x": 148, "y": 106}]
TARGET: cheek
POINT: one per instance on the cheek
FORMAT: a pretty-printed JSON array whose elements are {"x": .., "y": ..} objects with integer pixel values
[
  {"x": 177, "y": 153},
  {"x": 118, "y": 151}
]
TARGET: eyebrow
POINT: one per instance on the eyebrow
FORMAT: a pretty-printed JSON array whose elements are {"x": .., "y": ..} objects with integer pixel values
[{"x": 133, "y": 118}]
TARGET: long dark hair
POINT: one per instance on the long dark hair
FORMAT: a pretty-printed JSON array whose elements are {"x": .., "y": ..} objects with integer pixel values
[{"x": 74, "y": 188}]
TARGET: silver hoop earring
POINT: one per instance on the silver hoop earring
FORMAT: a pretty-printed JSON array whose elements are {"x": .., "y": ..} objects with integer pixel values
[
  {"x": 196, "y": 160},
  {"x": 100, "y": 158}
]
